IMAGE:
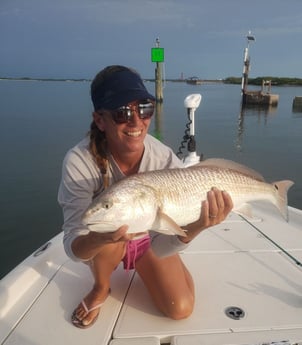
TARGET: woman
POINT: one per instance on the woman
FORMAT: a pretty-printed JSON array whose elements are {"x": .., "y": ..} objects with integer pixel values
[{"x": 118, "y": 146}]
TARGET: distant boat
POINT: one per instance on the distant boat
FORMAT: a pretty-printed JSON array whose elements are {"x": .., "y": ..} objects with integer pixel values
[{"x": 194, "y": 81}]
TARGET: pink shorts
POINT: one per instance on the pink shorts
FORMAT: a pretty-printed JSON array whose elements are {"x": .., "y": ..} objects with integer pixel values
[{"x": 135, "y": 249}]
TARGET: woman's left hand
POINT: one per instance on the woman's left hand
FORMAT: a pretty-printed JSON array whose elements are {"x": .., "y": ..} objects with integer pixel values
[{"x": 213, "y": 211}]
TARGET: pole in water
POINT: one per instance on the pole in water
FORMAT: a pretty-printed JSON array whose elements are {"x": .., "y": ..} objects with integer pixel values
[
  {"x": 246, "y": 64},
  {"x": 158, "y": 74}
]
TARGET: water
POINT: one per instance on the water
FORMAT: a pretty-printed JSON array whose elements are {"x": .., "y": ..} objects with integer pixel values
[{"x": 40, "y": 121}]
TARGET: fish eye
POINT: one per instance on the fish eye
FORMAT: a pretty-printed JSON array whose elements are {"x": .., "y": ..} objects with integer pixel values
[{"x": 107, "y": 204}]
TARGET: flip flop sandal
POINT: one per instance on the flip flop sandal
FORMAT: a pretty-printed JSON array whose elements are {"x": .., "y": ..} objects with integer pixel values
[{"x": 79, "y": 323}]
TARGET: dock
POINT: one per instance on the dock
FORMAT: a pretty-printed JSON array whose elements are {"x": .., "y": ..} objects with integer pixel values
[
  {"x": 297, "y": 104},
  {"x": 194, "y": 81},
  {"x": 261, "y": 97}
]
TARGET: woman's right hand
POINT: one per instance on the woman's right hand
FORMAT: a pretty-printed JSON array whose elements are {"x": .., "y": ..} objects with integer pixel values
[
  {"x": 120, "y": 235},
  {"x": 87, "y": 246}
]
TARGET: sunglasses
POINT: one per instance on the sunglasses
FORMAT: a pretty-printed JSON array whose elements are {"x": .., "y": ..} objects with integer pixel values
[{"x": 144, "y": 109}]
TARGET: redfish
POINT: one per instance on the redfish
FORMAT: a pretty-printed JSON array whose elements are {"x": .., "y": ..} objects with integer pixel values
[{"x": 166, "y": 200}]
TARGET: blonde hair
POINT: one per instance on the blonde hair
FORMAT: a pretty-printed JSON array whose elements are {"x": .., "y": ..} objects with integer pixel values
[{"x": 98, "y": 143}]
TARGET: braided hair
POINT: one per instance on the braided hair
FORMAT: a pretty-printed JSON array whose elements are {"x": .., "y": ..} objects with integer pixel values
[{"x": 98, "y": 141}]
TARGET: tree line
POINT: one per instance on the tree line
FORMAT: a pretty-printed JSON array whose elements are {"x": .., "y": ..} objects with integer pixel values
[{"x": 274, "y": 80}]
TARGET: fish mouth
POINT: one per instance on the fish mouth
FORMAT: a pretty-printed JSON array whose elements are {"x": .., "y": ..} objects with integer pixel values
[{"x": 101, "y": 226}]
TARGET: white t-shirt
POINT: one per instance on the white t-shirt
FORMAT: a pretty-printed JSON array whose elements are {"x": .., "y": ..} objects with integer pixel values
[{"x": 82, "y": 181}]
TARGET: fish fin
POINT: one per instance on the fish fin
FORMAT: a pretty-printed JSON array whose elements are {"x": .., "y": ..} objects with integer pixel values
[
  {"x": 228, "y": 164},
  {"x": 244, "y": 210},
  {"x": 282, "y": 187},
  {"x": 166, "y": 225}
]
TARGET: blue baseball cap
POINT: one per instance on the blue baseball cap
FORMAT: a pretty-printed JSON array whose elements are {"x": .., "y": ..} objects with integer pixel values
[{"x": 120, "y": 88}]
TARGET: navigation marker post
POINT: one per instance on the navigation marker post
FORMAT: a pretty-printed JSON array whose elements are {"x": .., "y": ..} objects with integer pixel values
[{"x": 157, "y": 55}]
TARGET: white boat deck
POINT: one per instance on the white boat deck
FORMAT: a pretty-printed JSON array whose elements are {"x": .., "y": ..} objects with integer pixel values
[{"x": 233, "y": 265}]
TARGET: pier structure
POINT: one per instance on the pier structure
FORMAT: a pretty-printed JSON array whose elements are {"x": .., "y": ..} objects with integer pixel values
[
  {"x": 262, "y": 97},
  {"x": 297, "y": 104}
]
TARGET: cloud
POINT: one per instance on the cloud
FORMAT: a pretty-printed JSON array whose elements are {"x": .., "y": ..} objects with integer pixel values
[{"x": 93, "y": 32}]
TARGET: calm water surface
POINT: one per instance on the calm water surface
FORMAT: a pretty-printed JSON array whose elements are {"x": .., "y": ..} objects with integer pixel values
[{"x": 40, "y": 121}]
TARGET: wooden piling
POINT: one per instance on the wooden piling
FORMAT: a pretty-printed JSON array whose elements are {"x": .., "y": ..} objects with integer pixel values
[{"x": 159, "y": 83}]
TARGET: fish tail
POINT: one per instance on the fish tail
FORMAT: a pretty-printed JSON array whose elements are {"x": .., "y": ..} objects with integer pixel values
[{"x": 282, "y": 188}]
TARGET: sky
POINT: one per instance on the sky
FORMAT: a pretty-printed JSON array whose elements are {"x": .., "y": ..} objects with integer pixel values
[{"x": 204, "y": 38}]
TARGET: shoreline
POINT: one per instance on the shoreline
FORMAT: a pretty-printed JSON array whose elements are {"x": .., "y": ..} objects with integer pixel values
[{"x": 275, "y": 81}]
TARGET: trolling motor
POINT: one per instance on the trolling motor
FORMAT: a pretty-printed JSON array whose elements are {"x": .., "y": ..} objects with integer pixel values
[{"x": 191, "y": 102}]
